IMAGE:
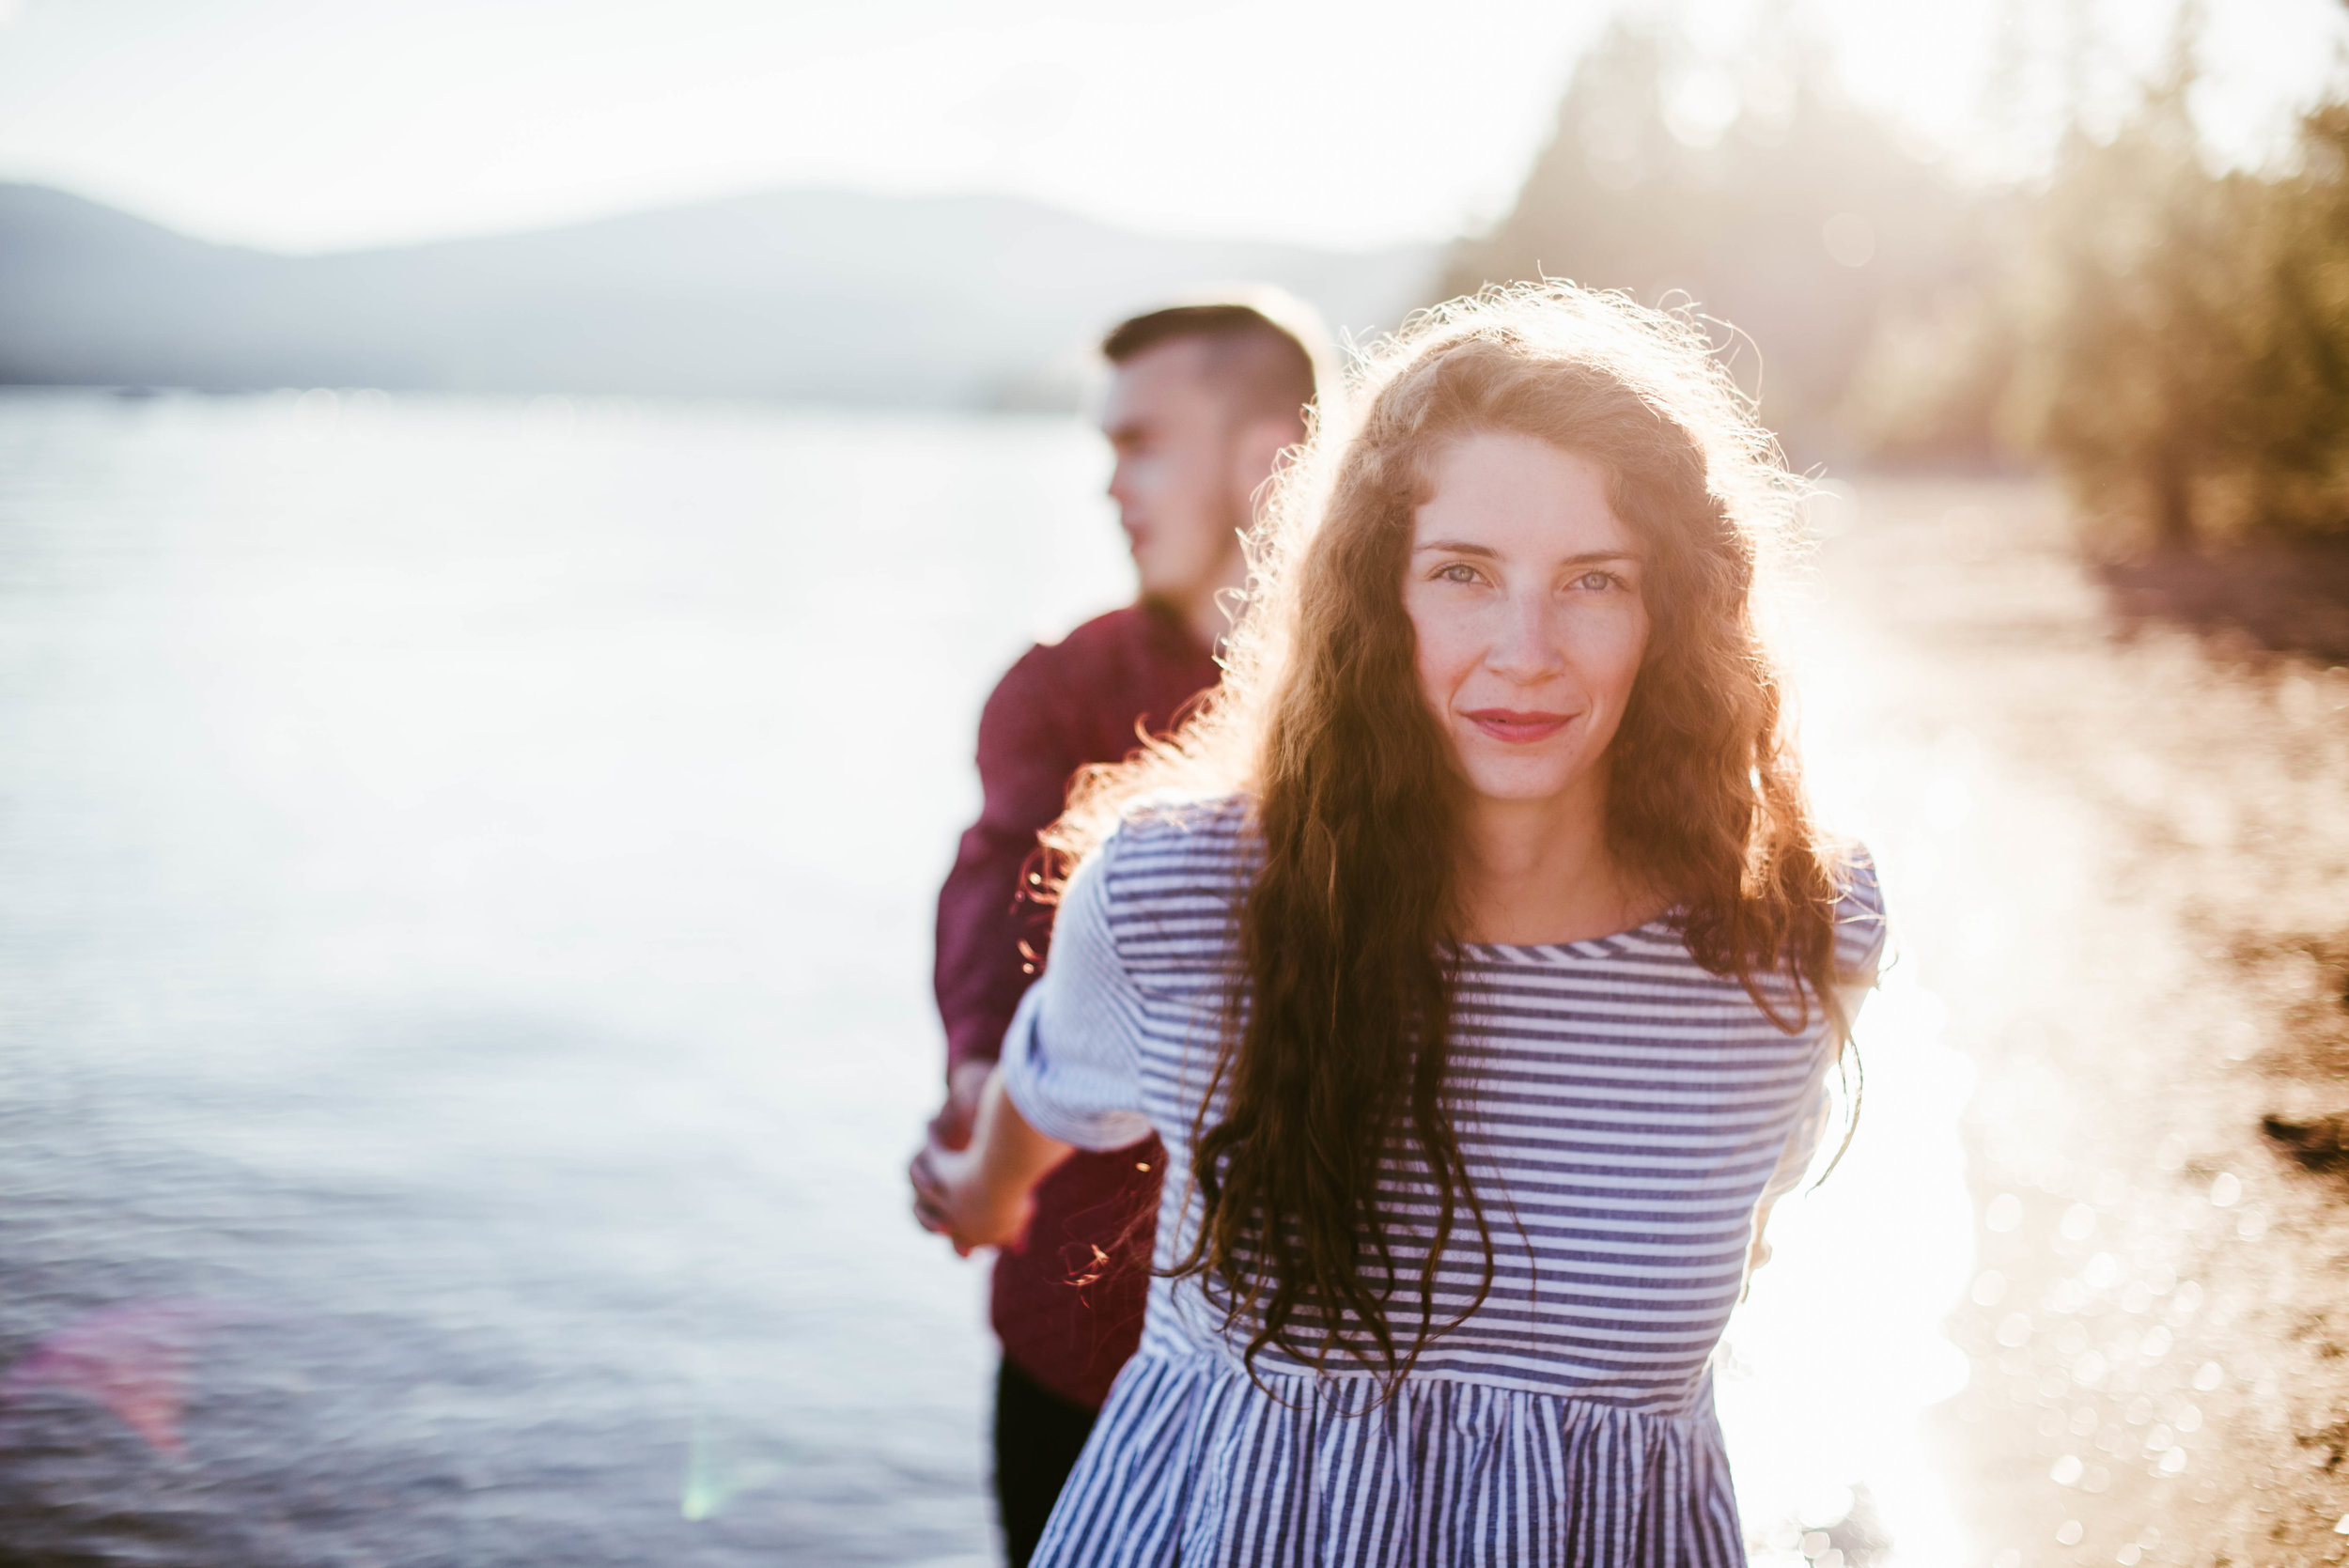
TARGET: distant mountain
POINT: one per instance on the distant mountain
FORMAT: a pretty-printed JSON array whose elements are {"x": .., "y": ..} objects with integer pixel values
[{"x": 809, "y": 295}]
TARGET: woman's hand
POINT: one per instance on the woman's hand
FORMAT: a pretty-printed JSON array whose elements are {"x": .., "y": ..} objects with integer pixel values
[
  {"x": 1758, "y": 1252},
  {"x": 980, "y": 1196},
  {"x": 950, "y": 1200}
]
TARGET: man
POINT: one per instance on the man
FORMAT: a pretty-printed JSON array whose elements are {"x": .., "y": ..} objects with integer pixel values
[{"x": 1203, "y": 400}]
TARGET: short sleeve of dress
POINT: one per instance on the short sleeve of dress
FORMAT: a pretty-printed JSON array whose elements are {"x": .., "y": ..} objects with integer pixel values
[
  {"x": 1859, "y": 923},
  {"x": 1860, "y": 934},
  {"x": 1071, "y": 1058}
]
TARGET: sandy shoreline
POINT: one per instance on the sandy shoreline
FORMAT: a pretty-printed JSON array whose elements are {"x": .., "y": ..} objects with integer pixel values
[{"x": 2141, "y": 941}]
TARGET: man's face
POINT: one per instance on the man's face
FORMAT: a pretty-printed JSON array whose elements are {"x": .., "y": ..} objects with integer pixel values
[{"x": 1180, "y": 492}]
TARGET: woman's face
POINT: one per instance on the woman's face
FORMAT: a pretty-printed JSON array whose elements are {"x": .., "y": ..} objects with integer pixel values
[{"x": 1524, "y": 589}]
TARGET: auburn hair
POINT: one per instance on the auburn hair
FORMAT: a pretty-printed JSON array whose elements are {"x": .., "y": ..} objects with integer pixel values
[{"x": 1335, "y": 1081}]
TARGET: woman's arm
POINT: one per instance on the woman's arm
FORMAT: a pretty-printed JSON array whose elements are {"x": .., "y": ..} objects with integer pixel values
[{"x": 979, "y": 1196}]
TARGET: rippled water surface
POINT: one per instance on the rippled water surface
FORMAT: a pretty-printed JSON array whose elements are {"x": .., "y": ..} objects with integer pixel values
[
  {"x": 466, "y": 942},
  {"x": 464, "y": 952}
]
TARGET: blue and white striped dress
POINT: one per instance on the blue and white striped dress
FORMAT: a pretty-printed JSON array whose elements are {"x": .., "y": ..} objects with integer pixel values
[{"x": 1630, "y": 1113}]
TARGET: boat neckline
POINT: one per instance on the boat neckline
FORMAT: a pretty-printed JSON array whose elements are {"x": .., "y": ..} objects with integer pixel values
[{"x": 1665, "y": 924}]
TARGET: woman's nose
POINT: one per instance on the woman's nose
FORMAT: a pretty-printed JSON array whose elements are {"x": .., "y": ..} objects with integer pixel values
[{"x": 1523, "y": 648}]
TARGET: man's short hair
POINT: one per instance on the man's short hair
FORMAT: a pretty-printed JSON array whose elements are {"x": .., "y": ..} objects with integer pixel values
[{"x": 1265, "y": 352}]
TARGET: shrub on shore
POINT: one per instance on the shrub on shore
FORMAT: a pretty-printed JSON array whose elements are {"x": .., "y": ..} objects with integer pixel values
[{"x": 2184, "y": 333}]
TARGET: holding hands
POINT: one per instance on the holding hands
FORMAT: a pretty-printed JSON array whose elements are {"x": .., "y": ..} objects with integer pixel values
[{"x": 974, "y": 1179}]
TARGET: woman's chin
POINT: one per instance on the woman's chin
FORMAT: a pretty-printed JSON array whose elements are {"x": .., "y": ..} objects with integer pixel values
[{"x": 1521, "y": 786}]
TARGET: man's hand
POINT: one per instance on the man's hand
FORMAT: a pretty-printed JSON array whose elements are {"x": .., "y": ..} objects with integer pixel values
[{"x": 950, "y": 1130}]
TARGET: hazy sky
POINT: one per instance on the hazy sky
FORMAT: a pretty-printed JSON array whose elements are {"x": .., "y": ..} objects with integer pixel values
[{"x": 314, "y": 124}]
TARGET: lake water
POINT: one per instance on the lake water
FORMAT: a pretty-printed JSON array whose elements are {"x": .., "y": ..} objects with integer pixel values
[{"x": 464, "y": 993}]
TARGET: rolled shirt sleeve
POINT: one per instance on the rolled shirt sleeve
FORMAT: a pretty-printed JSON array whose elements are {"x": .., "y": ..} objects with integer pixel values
[
  {"x": 1071, "y": 1061},
  {"x": 990, "y": 935}
]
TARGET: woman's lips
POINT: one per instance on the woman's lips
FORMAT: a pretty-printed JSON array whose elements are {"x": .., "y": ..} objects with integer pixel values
[{"x": 1519, "y": 729}]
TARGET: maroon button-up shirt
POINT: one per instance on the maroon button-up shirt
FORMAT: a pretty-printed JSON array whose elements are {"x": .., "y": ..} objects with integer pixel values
[{"x": 1067, "y": 1306}]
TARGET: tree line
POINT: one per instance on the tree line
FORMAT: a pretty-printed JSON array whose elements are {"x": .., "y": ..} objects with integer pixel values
[{"x": 2171, "y": 336}]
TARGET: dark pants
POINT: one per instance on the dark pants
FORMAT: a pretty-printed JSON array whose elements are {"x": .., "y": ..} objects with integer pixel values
[{"x": 1038, "y": 1436}]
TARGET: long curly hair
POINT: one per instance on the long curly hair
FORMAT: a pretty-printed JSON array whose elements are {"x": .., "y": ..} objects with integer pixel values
[{"x": 1336, "y": 1087}]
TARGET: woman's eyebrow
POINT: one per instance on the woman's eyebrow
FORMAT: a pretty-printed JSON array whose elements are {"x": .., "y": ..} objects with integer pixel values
[{"x": 1585, "y": 558}]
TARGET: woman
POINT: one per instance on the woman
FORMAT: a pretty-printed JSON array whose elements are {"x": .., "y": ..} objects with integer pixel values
[{"x": 1480, "y": 965}]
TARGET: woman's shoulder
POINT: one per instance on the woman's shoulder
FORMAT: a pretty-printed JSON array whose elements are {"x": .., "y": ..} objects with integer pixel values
[
  {"x": 1169, "y": 833},
  {"x": 1171, "y": 873}
]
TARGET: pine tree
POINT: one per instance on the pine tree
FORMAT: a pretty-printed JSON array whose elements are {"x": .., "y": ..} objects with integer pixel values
[{"x": 1796, "y": 227}]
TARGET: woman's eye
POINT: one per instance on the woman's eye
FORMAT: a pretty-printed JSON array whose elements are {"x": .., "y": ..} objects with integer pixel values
[
  {"x": 1595, "y": 581},
  {"x": 1456, "y": 573}
]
